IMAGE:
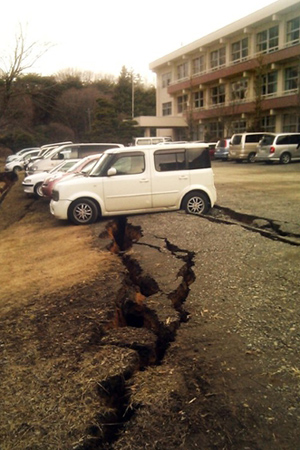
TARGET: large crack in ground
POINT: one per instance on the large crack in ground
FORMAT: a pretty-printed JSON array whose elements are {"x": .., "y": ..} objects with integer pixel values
[
  {"x": 147, "y": 316},
  {"x": 268, "y": 228}
]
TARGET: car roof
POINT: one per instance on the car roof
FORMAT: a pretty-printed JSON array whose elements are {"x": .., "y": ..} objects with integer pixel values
[{"x": 154, "y": 148}]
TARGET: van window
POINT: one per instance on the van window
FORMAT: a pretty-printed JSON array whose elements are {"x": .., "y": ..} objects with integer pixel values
[
  {"x": 294, "y": 138},
  {"x": 253, "y": 137},
  {"x": 236, "y": 139},
  {"x": 143, "y": 142},
  {"x": 283, "y": 140}
]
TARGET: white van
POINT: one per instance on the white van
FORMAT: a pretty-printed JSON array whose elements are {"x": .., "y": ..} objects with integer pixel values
[
  {"x": 243, "y": 146},
  {"x": 137, "y": 180},
  {"x": 70, "y": 151},
  {"x": 150, "y": 140},
  {"x": 282, "y": 147}
]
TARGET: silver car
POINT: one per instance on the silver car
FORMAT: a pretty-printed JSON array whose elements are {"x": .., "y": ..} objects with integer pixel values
[{"x": 282, "y": 147}]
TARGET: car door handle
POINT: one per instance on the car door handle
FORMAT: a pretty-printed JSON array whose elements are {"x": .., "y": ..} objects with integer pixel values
[
  {"x": 144, "y": 180},
  {"x": 183, "y": 177}
]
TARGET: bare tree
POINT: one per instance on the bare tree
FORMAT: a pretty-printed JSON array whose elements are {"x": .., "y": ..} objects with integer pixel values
[{"x": 23, "y": 57}]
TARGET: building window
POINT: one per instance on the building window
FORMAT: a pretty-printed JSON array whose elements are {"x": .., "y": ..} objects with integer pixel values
[
  {"x": 198, "y": 99},
  {"x": 198, "y": 65},
  {"x": 269, "y": 84},
  {"x": 268, "y": 123},
  {"x": 218, "y": 94},
  {"x": 182, "y": 71},
  {"x": 267, "y": 40},
  {"x": 291, "y": 76},
  {"x": 239, "y": 126},
  {"x": 239, "y": 89},
  {"x": 182, "y": 103},
  {"x": 166, "y": 79},
  {"x": 217, "y": 58},
  {"x": 291, "y": 123},
  {"x": 216, "y": 131},
  {"x": 293, "y": 31},
  {"x": 239, "y": 50},
  {"x": 167, "y": 109}
]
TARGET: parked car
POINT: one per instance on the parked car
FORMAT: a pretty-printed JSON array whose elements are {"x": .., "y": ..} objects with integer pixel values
[
  {"x": 18, "y": 164},
  {"x": 151, "y": 140},
  {"x": 69, "y": 151},
  {"x": 82, "y": 166},
  {"x": 243, "y": 146},
  {"x": 20, "y": 153},
  {"x": 44, "y": 151},
  {"x": 32, "y": 184},
  {"x": 137, "y": 180},
  {"x": 282, "y": 147},
  {"x": 222, "y": 149}
]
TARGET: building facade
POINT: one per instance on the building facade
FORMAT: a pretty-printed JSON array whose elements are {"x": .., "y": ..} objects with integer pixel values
[{"x": 243, "y": 77}]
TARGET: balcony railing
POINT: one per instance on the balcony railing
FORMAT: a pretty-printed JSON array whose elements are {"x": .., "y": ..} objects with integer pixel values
[{"x": 233, "y": 63}]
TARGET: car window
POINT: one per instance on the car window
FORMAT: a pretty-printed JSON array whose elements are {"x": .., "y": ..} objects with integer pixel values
[
  {"x": 198, "y": 158},
  {"x": 166, "y": 161},
  {"x": 267, "y": 140},
  {"x": 253, "y": 137},
  {"x": 129, "y": 164},
  {"x": 236, "y": 140},
  {"x": 295, "y": 139},
  {"x": 283, "y": 140}
]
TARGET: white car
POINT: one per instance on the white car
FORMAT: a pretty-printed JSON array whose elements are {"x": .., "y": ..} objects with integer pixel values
[
  {"x": 18, "y": 164},
  {"x": 20, "y": 153},
  {"x": 32, "y": 184},
  {"x": 136, "y": 180}
]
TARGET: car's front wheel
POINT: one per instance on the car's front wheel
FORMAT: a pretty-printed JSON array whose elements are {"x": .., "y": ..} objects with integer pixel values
[
  {"x": 196, "y": 203},
  {"x": 83, "y": 211},
  {"x": 38, "y": 190}
]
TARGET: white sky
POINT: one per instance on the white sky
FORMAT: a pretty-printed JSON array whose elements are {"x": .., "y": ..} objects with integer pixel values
[{"x": 101, "y": 36}]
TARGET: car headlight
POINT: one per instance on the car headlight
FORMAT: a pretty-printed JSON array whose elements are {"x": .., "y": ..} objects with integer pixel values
[
  {"x": 55, "y": 195},
  {"x": 27, "y": 180}
]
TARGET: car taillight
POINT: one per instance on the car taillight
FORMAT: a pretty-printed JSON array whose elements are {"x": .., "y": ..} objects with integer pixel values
[{"x": 272, "y": 149}]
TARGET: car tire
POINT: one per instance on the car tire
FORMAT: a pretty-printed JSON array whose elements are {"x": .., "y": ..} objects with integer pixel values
[
  {"x": 196, "y": 203},
  {"x": 83, "y": 211},
  {"x": 38, "y": 190},
  {"x": 285, "y": 158},
  {"x": 17, "y": 169},
  {"x": 251, "y": 157}
]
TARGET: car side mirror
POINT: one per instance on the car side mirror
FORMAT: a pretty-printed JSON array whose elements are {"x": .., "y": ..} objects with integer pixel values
[{"x": 111, "y": 172}]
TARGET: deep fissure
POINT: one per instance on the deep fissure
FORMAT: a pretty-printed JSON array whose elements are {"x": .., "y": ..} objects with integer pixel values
[{"x": 133, "y": 312}]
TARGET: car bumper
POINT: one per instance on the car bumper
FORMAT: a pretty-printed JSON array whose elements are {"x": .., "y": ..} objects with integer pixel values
[
  {"x": 28, "y": 188},
  {"x": 60, "y": 209}
]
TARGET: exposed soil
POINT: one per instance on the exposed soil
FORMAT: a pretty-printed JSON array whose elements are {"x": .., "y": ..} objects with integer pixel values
[{"x": 182, "y": 333}]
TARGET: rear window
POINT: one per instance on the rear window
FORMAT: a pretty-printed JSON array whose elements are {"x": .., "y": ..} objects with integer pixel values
[{"x": 181, "y": 159}]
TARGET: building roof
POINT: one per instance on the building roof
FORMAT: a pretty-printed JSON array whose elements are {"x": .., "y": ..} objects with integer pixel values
[{"x": 262, "y": 15}]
